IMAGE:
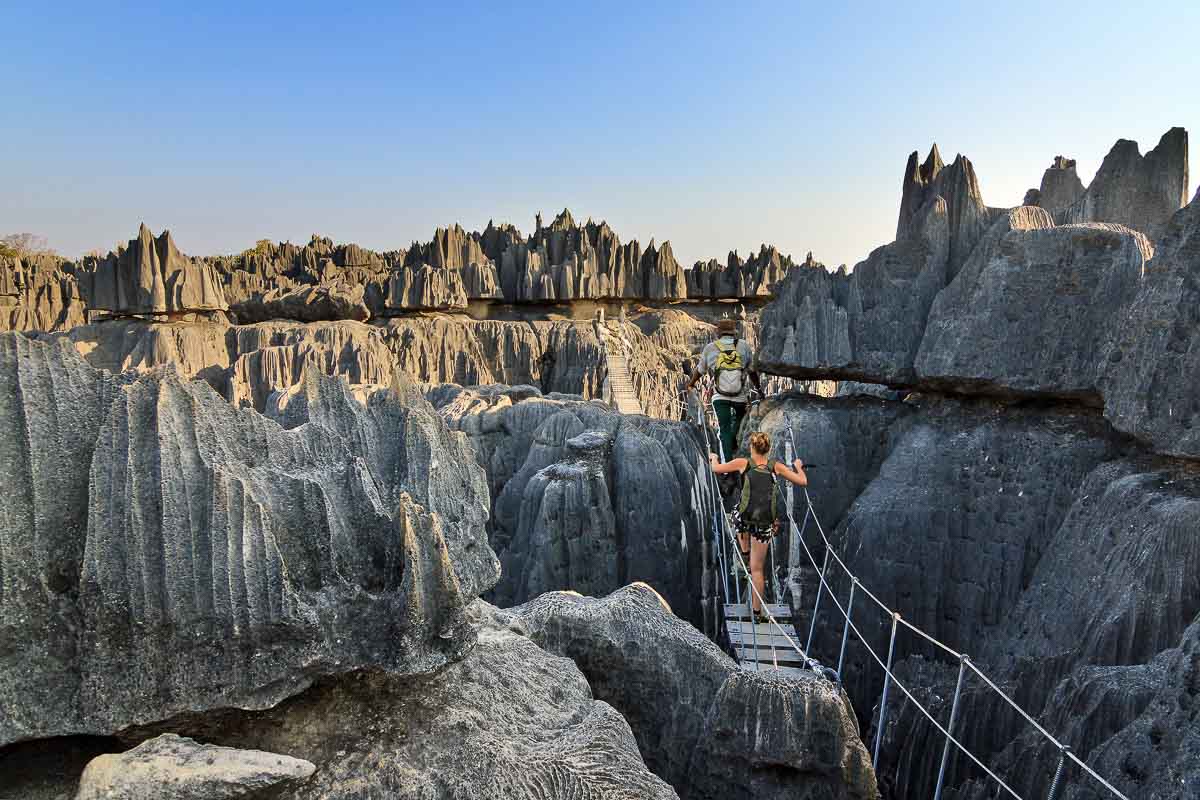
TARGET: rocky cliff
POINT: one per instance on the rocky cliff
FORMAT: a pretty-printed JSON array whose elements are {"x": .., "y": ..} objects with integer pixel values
[
  {"x": 585, "y": 498},
  {"x": 1049, "y": 547},
  {"x": 165, "y": 552},
  {"x": 1090, "y": 312}
]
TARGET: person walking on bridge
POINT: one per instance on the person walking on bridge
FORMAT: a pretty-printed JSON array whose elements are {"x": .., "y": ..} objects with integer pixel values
[
  {"x": 730, "y": 362},
  {"x": 756, "y": 515}
]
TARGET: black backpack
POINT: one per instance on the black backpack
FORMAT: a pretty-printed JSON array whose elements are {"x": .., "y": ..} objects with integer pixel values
[{"x": 758, "y": 503}]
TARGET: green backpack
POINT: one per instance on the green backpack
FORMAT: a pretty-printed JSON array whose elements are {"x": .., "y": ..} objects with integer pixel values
[{"x": 758, "y": 484}]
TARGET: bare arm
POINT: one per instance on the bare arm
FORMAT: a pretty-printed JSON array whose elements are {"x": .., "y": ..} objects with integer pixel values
[
  {"x": 795, "y": 476},
  {"x": 699, "y": 370},
  {"x": 737, "y": 465}
]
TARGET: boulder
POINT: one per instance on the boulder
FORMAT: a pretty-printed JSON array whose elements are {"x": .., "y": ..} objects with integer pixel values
[
  {"x": 508, "y": 720},
  {"x": 708, "y": 728},
  {"x": 171, "y": 553},
  {"x": 1032, "y": 309},
  {"x": 180, "y": 768}
]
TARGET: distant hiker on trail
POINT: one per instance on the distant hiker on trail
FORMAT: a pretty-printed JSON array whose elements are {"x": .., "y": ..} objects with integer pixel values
[
  {"x": 756, "y": 515},
  {"x": 729, "y": 361}
]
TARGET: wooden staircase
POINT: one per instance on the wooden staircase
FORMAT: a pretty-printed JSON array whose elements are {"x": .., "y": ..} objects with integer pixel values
[{"x": 620, "y": 382}]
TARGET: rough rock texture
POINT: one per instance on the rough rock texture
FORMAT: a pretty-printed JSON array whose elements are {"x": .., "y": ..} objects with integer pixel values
[
  {"x": 1032, "y": 309},
  {"x": 1061, "y": 186},
  {"x": 585, "y": 498},
  {"x": 1088, "y": 313},
  {"x": 305, "y": 304},
  {"x": 39, "y": 293},
  {"x": 1151, "y": 384},
  {"x": 1140, "y": 192},
  {"x": 509, "y": 720},
  {"x": 172, "y": 766},
  {"x": 423, "y": 286},
  {"x": 165, "y": 552},
  {"x": 865, "y": 325},
  {"x": 708, "y": 728},
  {"x": 151, "y": 276},
  {"x": 1054, "y": 551},
  {"x": 957, "y": 185},
  {"x": 738, "y": 278},
  {"x": 1159, "y": 751}
]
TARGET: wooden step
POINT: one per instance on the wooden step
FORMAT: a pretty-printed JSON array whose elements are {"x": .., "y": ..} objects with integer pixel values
[
  {"x": 777, "y": 641},
  {"x": 779, "y": 611},
  {"x": 789, "y": 671},
  {"x": 768, "y": 655}
]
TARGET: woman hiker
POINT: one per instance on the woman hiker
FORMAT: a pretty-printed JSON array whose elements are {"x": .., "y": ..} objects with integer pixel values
[{"x": 755, "y": 515}]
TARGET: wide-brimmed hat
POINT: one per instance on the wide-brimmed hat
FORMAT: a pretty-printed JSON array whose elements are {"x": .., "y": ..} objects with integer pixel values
[{"x": 726, "y": 326}]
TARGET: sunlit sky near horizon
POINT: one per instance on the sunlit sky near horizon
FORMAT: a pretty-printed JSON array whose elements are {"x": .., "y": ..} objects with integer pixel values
[{"x": 714, "y": 126}]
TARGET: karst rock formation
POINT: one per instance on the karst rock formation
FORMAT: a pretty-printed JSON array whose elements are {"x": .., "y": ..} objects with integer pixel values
[{"x": 321, "y": 521}]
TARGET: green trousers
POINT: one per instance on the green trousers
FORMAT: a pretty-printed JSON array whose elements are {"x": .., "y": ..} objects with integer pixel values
[{"x": 729, "y": 420}]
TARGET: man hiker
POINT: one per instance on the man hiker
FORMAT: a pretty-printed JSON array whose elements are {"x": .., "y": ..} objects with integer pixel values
[{"x": 728, "y": 360}]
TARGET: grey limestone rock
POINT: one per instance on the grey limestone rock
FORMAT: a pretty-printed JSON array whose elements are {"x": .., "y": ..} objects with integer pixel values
[
  {"x": 305, "y": 304},
  {"x": 585, "y": 498},
  {"x": 1151, "y": 363},
  {"x": 508, "y": 720},
  {"x": 1141, "y": 192},
  {"x": 210, "y": 558},
  {"x": 1033, "y": 308},
  {"x": 180, "y": 768},
  {"x": 1061, "y": 186},
  {"x": 422, "y": 286},
  {"x": 708, "y": 728},
  {"x": 39, "y": 293},
  {"x": 1088, "y": 646},
  {"x": 151, "y": 276}
]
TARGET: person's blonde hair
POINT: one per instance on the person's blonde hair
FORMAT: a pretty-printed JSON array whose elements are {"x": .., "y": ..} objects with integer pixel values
[{"x": 760, "y": 443}]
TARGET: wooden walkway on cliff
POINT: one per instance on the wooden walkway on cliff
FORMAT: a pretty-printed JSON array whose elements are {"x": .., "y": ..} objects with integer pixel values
[{"x": 620, "y": 382}]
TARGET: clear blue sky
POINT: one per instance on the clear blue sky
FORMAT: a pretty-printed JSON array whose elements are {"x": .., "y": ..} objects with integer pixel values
[{"x": 714, "y": 126}]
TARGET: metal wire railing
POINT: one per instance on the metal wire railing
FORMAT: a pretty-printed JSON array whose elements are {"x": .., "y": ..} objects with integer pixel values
[{"x": 1066, "y": 755}]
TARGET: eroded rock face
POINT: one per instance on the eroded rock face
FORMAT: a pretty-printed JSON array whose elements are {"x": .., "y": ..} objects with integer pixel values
[
  {"x": 39, "y": 293},
  {"x": 171, "y": 553},
  {"x": 708, "y": 728},
  {"x": 1032, "y": 309},
  {"x": 1039, "y": 541},
  {"x": 1087, "y": 313},
  {"x": 509, "y": 720},
  {"x": 864, "y": 325},
  {"x": 585, "y": 498},
  {"x": 1152, "y": 357},
  {"x": 151, "y": 276},
  {"x": 1140, "y": 192},
  {"x": 1061, "y": 186},
  {"x": 305, "y": 304},
  {"x": 1088, "y": 664},
  {"x": 173, "y": 766}
]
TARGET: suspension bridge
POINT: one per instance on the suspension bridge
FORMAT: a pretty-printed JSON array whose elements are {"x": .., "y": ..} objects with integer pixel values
[{"x": 775, "y": 645}]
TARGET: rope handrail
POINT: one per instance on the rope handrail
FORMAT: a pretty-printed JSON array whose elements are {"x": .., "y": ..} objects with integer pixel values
[{"x": 1065, "y": 752}]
